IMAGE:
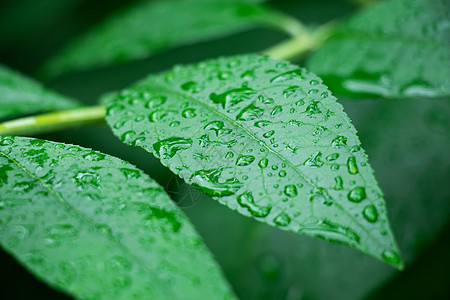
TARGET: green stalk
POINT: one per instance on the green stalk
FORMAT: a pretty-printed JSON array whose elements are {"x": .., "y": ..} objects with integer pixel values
[
  {"x": 305, "y": 40},
  {"x": 53, "y": 121}
]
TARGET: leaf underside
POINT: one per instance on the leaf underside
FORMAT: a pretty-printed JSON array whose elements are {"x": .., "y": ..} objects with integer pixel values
[
  {"x": 264, "y": 138},
  {"x": 97, "y": 227},
  {"x": 397, "y": 48},
  {"x": 20, "y": 95},
  {"x": 155, "y": 26}
]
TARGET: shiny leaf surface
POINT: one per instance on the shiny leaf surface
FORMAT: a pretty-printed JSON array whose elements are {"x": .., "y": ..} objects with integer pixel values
[
  {"x": 97, "y": 227},
  {"x": 264, "y": 138},
  {"x": 396, "y": 48},
  {"x": 154, "y": 26},
  {"x": 20, "y": 95}
]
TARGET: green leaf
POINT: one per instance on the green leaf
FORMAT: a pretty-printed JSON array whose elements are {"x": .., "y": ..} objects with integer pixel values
[
  {"x": 397, "y": 48},
  {"x": 97, "y": 227},
  {"x": 264, "y": 138},
  {"x": 155, "y": 26},
  {"x": 20, "y": 95}
]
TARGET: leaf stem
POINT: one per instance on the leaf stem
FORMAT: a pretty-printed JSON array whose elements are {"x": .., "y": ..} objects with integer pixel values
[
  {"x": 53, "y": 121},
  {"x": 305, "y": 40}
]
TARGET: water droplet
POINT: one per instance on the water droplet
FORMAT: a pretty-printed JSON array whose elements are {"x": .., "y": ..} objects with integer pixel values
[
  {"x": 370, "y": 213},
  {"x": 390, "y": 257},
  {"x": 339, "y": 183},
  {"x": 290, "y": 75},
  {"x": 174, "y": 124},
  {"x": 269, "y": 133},
  {"x": 357, "y": 194},
  {"x": 94, "y": 156},
  {"x": 189, "y": 113},
  {"x": 282, "y": 173},
  {"x": 246, "y": 200},
  {"x": 244, "y": 160},
  {"x": 167, "y": 148},
  {"x": 209, "y": 181},
  {"x": 61, "y": 231},
  {"x": 290, "y": 190},
  {"x": 351, "y": 165},
  {"x": 191, "y": 87},
  {"x": 282, "y": 219},
  {"x": 232, "y": 97},
  {"x": 332, "y": 157},
  {"x": 261, "y": 124},
  {"x": 314, "y": 160},
  {"x": 263, "y": 163},
  {"x": 155, "y": 102},
  {"x": 339, "y": 141},
  {"x": 276, "y": 110},
  {"x": 249, "y": 113},
  {"x": 218, "y": 128}
]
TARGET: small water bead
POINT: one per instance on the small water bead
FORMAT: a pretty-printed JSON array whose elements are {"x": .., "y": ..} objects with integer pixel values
[
  {"x": 190, "y": 86},
  {"x": 274, "y": 167},
  {"x": 127, "y": 136},
  {"x": 174, "y": 124},
  {"x": 370, "y": 213},
  {"x": 357, "y": 194},
  {"x": 115, "y": 109},
  {"x": 167, "y": 148},
  {"x": 287, "y": 93},
  {"x": 339, "y": 141},
  {"x": 351, "y": 165},
  {"x": 268, "y": 134},
  {"x": 229, "y": 154},
  {"x": 250, "y": 112},
  {"x": 282, "y": 219},
  {"x": 62, "y": 231},
  {"x": 276, "y": 110},
  {"x": 261, "y": 124},
  {"x": 282, "y": 173},
  {"x": 313, "y": 91},
  {"x": 390, "y": 257},
  {"x": 139, "y": 118},
  {"x": 332, "y": 157},
  {"x": 188, "y": 113},
  {"x": 338, "y": 183},
  {"x": 246, "y": 200},
  {"x": 94, "y": 156},
  {"x": 263, "y": 163},
  {"x": 290, "y": 190},
  {"x": 244, "y": 160}
]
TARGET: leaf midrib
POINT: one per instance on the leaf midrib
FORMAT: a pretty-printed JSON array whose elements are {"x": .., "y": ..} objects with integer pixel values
[
  {"x": 261, "y": 142},
  {"x": 83, "y": 216}
]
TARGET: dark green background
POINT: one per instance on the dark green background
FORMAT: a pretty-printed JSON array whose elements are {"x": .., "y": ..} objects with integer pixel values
[{"x": 407, "y": 141}]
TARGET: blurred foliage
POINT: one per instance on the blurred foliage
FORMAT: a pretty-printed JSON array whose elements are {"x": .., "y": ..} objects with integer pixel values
[{"x": 406, "y": 141}]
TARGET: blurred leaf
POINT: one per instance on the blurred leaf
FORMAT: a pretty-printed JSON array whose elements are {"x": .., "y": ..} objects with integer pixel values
[
  {"x": 396, "y": 48},
  {"x": 97, "y": 227},
  {"x": 20, "y": 95},
  {"x": 264, "y": 138},
  {"x": 154, "y": 26}
]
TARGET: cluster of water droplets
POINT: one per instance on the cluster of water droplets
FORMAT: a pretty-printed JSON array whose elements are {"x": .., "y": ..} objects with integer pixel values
[
  {"x": 95, "y": 225},
  {"x": 263, "y": 137}
]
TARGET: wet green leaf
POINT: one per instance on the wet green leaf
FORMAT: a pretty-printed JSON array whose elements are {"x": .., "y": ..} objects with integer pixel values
[
  {"x": 155, "y": 26},
  {"x": 264, "y": 138},
  {"x": 20, "y": 95},
  {"x": 397, "y": 48},
  {"x": 97, "y": 227}
]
